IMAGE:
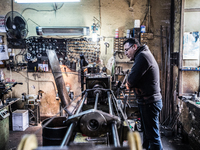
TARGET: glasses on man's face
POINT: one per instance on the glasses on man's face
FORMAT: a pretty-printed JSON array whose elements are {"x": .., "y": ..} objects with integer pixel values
[{"x": 126, "y": 50}]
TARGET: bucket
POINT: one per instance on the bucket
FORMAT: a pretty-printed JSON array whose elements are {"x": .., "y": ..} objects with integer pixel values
[{"x": 54, "y": 132}]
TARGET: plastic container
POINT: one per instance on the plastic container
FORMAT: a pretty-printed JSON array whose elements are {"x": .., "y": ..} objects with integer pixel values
[
  {"x": 142, "y": 29},
  {"x": 128, "y": 33},
  {"x": 116, "y": 33},
  {"x": 20, "y": 120}
]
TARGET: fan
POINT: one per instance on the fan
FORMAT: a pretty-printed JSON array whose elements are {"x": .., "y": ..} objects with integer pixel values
[{"x": 16, "y": 26}]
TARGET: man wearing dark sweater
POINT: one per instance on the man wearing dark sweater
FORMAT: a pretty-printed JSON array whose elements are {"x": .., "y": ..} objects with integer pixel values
[{"x": 144, "y": 80}]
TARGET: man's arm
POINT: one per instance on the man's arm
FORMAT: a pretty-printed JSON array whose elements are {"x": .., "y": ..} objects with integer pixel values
[{"x": 139, "y": 68}]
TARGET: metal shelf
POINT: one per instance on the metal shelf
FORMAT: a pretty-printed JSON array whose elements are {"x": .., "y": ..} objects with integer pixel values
[{"x": 196, "y": 69}]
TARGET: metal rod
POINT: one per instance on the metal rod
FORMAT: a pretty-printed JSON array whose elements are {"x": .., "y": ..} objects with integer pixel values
[
  {"x": 115, "y": 135},
  {"x": 82, "y": 75},
  {"x": 68, "y": 134},
  {"x": 149, "y": 16},
  {"x": 110, "y": 104},
  {"x": 80, "y": 107},
  {"x": 122, "y": 113},
  {"x": 125, "y": 101},
  {"x": 58, "y": 77},
  {"x": 96, "y": 101}
]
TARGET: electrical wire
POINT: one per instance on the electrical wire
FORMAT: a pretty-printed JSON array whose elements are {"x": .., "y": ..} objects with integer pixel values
[
  {"x": 145, "y": 14},
  {"x": 39, "y": 81},
  {"x": 55, "y": 8}
]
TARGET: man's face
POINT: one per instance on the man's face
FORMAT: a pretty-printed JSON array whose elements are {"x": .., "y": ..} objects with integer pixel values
[{"x": 130, "y": 50}]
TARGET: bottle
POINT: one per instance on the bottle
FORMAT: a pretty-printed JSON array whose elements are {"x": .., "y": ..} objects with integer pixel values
[
  {"x": 128, "y": 33},
  {"x": 1, "y": 76},
  {"x": 142, "y": 29},
  {"x": 116, "y": 33}
]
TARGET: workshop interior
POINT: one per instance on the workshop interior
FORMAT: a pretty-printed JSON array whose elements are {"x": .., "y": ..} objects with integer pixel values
[{"x": 63, "y": 70}]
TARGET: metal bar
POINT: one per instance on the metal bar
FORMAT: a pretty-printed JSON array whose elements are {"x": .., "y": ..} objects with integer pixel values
[
  {"x": 122, "y": 113},
  {"x": 125, "y": 101},
  {"x": 110, "y": 104},
  {"x": 96, "y": 101},
  {"x": 55, "y": 67},
  {"x": 82, "y": 75},
  {"x": 115, "y": 135},
  {"x": 68, "y": 135},
  {"x": 180, "y": 78},
  {"x": 149, "y": 15},
  {"x": 80, "y": 107}
]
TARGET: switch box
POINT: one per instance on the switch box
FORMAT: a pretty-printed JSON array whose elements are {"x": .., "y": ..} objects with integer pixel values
[{"x": 4, "y": 113}]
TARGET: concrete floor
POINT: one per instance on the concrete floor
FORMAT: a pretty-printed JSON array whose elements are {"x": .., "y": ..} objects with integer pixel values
[{"x": 169, "y": 143}]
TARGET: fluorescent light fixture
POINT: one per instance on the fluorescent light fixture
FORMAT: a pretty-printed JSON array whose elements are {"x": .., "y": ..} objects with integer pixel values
[
  {"x": 45, "y": 1},
  {"x": 63, "y": 30}
]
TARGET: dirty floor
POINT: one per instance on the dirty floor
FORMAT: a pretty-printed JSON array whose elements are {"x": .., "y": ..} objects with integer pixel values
[{"x": 169, "y": 143}]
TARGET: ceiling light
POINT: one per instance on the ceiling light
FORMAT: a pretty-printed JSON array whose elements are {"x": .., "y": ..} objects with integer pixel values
[{"x": 45, "y": 1}]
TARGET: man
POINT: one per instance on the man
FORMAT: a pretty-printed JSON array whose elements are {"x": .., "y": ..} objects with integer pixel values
[{"x": 144, "y": 80}]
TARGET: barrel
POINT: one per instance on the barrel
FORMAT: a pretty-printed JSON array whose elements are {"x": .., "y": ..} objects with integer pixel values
[{"x": 54, "y": 132}]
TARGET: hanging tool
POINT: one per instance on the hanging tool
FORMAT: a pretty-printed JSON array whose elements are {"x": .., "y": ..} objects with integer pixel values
[{"x": 106, "y": 46}]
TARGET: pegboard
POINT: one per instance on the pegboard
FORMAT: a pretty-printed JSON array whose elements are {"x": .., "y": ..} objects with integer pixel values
[
  {"x": 68, "y": 52},
  {"x": 118, "y": 44}
]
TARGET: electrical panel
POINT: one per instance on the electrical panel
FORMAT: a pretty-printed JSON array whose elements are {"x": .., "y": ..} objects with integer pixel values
[{"x": 4, "y": 113}]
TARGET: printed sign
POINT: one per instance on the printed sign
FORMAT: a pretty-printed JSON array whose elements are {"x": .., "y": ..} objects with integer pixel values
[{"x": 2, "y": 25}]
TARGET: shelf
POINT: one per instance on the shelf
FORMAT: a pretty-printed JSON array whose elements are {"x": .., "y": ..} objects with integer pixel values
[
  {"x": 190, "y": 69},
  {"x": 128, "y": 62}
]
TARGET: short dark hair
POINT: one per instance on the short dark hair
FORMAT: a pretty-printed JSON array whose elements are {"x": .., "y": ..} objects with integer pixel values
[{"x": 132, "y": 41}]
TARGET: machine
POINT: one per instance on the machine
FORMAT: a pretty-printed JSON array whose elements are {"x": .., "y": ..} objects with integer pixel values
[
  {"x": 100, "y": 118},
  {"x": 98, "y": 121}
]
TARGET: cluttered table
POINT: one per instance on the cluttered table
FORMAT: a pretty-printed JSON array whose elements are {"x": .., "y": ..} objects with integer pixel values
[{"x": 9, "y": 101}]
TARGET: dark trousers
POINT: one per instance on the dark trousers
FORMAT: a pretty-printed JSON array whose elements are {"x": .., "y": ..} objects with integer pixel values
[{"x": 150, "y": 121}]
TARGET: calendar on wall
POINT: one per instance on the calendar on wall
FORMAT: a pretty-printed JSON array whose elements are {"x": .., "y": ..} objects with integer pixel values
[{"x": 191, "y": 45}]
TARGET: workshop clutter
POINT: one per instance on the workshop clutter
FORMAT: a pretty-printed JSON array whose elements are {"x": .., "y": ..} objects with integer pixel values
[{"x": 67, "y": 51}]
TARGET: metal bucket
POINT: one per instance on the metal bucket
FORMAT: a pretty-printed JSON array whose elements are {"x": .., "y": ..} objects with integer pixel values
[{"x": 54, "y": 132}]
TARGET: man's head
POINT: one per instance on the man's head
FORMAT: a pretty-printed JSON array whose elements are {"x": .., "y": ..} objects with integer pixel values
[{"x": 130, "y": 47}]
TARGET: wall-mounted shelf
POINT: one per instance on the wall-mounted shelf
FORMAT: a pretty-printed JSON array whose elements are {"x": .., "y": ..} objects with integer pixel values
[
  {"x": 128, "y": 62},
  {"x": 190, "y": 69}
]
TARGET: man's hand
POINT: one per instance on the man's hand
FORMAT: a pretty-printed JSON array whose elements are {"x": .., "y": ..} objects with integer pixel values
[{"x": 127, "y": 87}]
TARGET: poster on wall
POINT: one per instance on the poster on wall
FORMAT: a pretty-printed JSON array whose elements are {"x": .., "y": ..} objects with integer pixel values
[
  {"x": 3, "y": 52},
  {"x": 2, "y": 25},
  {"x": 191, "y": 45}
]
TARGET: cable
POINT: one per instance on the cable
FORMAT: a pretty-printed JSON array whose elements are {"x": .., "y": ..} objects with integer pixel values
[
  {"x": 40, "y": 81},
  {"x": 145, "y": 15},
  {"x": 33, "y": 22},
  {"x": 55, "y": 8}
]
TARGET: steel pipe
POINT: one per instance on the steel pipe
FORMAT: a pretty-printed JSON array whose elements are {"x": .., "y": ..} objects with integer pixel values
[
  {"x": 96, "y": 101},
  {"x": 68, "y": 134},
  {"x": 80, "y": 107},
  {"x": 55, "y": 67},
  {"x": 110, "y": 104},
  {"x": 115, "y": 135}
]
